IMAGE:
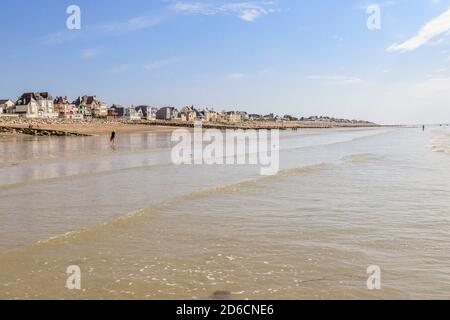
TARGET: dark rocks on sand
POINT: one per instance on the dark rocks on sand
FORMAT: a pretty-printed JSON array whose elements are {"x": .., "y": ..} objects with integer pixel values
[
  {"x": 41, "y": 132},
  {"x": 221, "y": 295}
]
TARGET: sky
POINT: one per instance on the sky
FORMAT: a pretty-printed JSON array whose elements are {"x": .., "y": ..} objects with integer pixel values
[{"x": 299, "y": 57}]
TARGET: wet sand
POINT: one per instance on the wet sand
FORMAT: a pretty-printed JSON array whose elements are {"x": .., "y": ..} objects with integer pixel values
[{"x": 140, "y": 227}]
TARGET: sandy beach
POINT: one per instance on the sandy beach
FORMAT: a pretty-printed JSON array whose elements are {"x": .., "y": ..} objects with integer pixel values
[{"x": 94, "y": 127}]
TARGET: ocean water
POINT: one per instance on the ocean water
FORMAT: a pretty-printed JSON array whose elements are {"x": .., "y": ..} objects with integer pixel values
[{"x": 140, "y": 227}]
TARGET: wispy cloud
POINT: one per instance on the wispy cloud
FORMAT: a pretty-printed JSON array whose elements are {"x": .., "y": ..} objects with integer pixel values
[
  {"x": 246, "y": 11},
  {"x": 194, "y": 8},
  {"x": 119, "y": 68},
  {"x": 133, "y": 24},
  {"x": 335, "y": 79},
  {"x": 160, "y": 64},
  {"x": 267, "y": 70},
  {"x": 236, "y": 76},
  {"x": 90, "y": 53},
  {"x": 385, "y": 4},
  {"x": 107, "y": 29},
  {"x": 62, "y": 37},
  {"x": 436, "y": 27}
]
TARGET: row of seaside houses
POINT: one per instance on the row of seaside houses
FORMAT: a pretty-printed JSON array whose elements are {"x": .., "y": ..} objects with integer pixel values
[{"x": 41, "y": 105}]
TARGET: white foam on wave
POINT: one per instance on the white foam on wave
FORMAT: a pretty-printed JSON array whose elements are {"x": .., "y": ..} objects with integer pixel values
[{"x": 440, "y": 142}]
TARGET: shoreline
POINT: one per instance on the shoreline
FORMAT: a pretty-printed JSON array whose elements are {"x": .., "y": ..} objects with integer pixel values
[{"x": 45, "y": 127}]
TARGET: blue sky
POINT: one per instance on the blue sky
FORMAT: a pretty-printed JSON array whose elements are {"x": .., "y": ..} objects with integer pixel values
[{"x": 297, "y": 57}]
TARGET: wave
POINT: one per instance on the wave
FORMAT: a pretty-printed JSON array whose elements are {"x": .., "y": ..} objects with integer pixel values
[
  {"x": 360, "y": 158},
  {"x": 159, "y": 207},
  {"x": 440, "y": 142},
  {"x": 254, "y": 182}
]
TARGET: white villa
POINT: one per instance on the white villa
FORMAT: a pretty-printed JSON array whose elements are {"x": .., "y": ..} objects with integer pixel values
[
  {"x": 132, "y": 114},
  {"x": 6, "y": 106},
  {"x": 101, "y": 110},
  {"x": 151, "y": 113},
  {"x": 36, "y": 105},
  {"x": 147, "y": 112}
]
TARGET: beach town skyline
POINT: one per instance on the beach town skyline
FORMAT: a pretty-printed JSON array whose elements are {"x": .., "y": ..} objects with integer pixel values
[
  {"x": 388, "y": 64},
  {"x": 43, "y": 105}
]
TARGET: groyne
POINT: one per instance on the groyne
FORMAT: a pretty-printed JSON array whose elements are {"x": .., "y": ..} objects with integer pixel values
[{"x": 41, "y": 132}]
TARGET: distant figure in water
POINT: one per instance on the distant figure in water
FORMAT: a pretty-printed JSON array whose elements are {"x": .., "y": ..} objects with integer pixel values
[
  {"x": 423, "y": 128},
  {"x": 113, "y": 138}
]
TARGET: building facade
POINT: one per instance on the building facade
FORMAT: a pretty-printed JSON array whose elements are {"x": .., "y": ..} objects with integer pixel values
[
  {"x": 64, "y": 108},
  {"x": 148, "y": 113},
  {"x": 133, "y": 114},
  {"x": 188, "y": 114},
  {"x": 167, "y": 113},
  {"x": 36, "y": 105},
  {"x": 7, "y": 106},
  {"x": 233, "y": 116},
  {"x": 90, "y": 106}
]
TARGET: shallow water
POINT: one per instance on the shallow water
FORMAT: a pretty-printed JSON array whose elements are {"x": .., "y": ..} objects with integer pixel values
[{"x": 141, "y": 227}]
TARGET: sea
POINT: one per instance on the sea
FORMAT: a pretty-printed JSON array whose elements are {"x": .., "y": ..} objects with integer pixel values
[{"x": 135, "y": 225}]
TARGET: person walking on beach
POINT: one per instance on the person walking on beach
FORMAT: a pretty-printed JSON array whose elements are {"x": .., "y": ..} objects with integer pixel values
[
  {"x": 112, "y": 140},
  {"x": 423, "y": 128}
]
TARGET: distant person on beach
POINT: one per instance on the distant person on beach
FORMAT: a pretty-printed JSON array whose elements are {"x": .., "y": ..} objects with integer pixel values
[
  {"x": 423, "y": 128},
  {"x": 113, "y": 138}
]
